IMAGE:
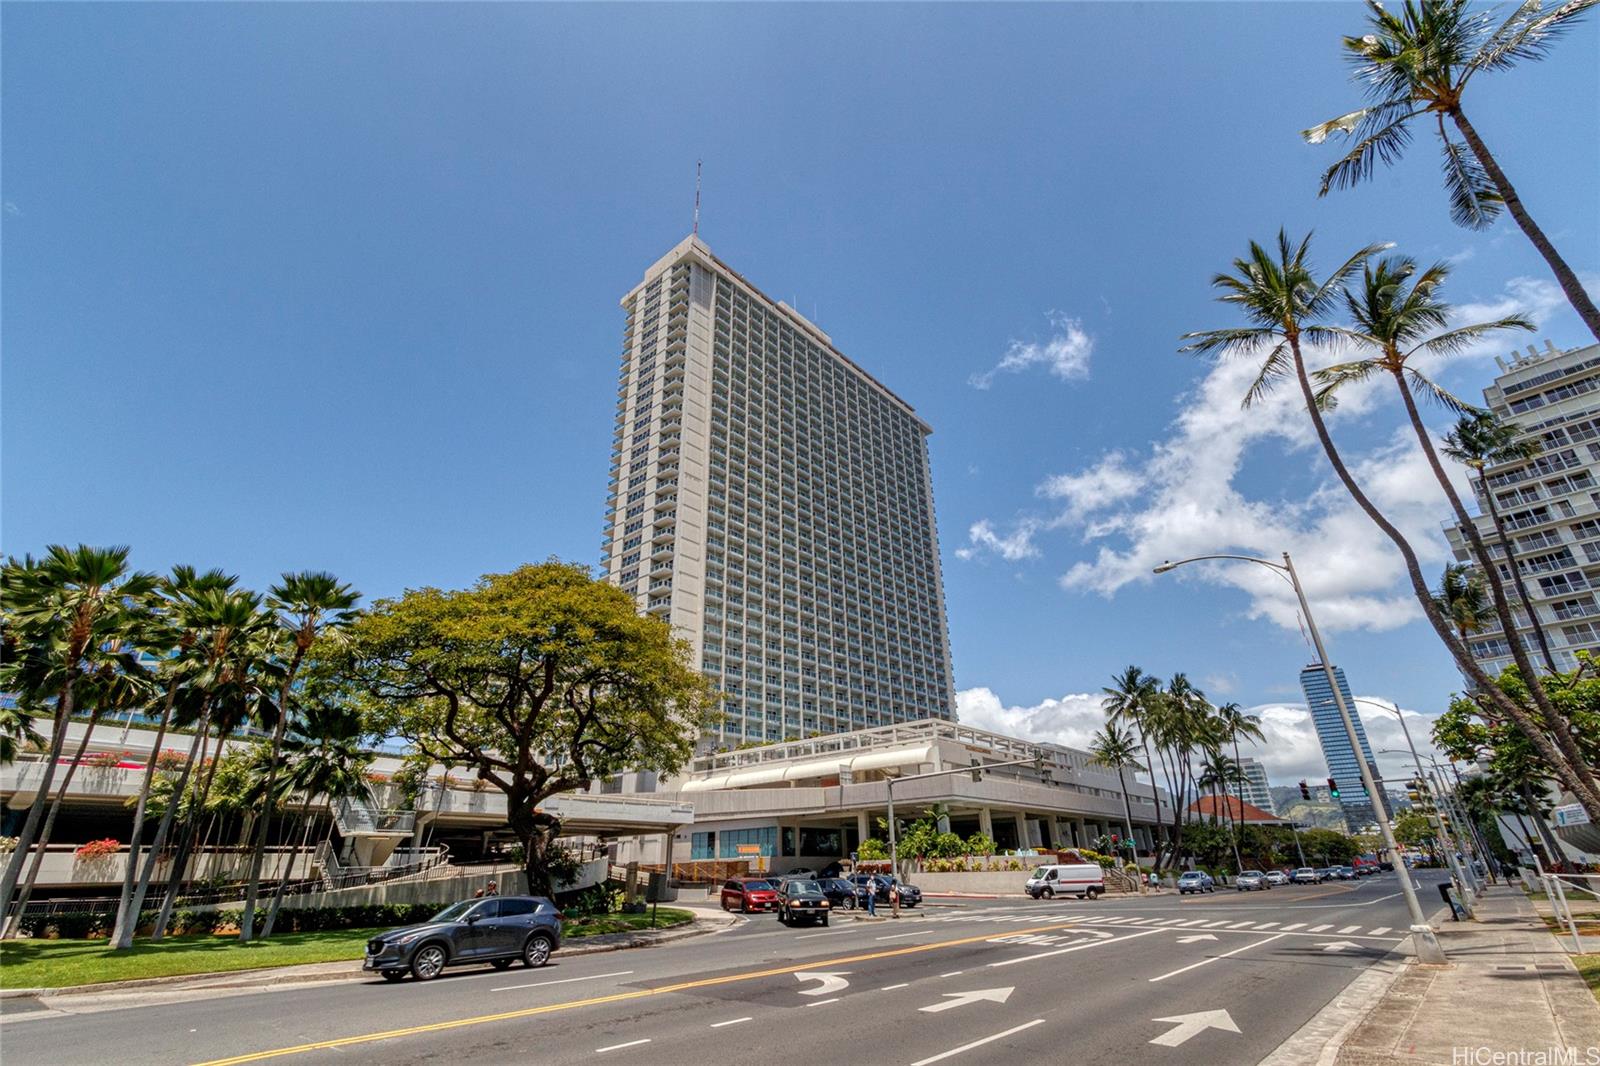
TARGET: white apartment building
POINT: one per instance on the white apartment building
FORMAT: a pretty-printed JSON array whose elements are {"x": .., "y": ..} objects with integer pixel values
[
  {"x": 1550, "y": 504},
  {"x": 773, "y": 501},
  {"x": 1257, "y": 792}
]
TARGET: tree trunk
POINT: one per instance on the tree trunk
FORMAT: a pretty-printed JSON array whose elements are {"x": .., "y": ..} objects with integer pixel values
[
  {"x": 247, "y": 920},
  {"x": 283, "y": 879},
  {"x": 1552, "y": 846},
  {"x": 125, "y": 940},
  {"x": 1560, "y": 726},
  {"x": 136, "y": 836},
  {"x": 1576, "y": 295},
  {"x": 1419, "y": 585},
  {"x": 191, "y": 826},
  {"x": 1516, "y": 572},
  {"x": 30, "y": 827},
  {"x": 10, "y": 928},
  {"x": 1155, "y": 794},
  {"x": 1127, "y": 810}
]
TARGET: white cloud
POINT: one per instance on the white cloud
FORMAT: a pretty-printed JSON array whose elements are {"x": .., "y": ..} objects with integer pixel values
[
  {"x": 1290, "y": 753},
  {"x": 1132, "y": 513},
  {"x": 1066, "y": 354},
  {"x": 1014, "y": 547},
  {"x": 12, "y": 209}
]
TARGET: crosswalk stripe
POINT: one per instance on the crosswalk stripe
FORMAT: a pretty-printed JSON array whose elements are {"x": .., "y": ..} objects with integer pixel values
[
  {"x": 1319, "y": 928},
  {"x": 1382, "y": 929},
  {"x": 1296, "y": 925},
  {"x": 1194, "y": 921},
  {"x": 1240, "y": 925},
  {"x": 1265, "y": 925},
  {"x": 1349, "y": 929},
  {"x": 1213, "y": 925}
]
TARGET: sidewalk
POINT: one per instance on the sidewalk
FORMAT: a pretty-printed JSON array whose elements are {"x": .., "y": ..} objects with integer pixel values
[
  {"x": 1509, "y": 988},
  {"x": 83, "y": 999}
]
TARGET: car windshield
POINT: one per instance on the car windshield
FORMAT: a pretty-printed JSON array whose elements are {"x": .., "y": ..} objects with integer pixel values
[
  {"x": 757, "y": 886},
  {"x": 1190, "y": 877},
  {"x": 455, "y": 911},
  {"x": 1252, "y": 873},
  {"x": 803, "y": 886}
]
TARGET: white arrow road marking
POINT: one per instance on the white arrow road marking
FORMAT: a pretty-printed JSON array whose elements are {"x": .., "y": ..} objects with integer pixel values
[
  {"x": 1336, "y": 945},
  {"x": 1195, "y": 938},
  {"x": 961, "y": 999},
  {"x": 1189, "y": 1025},
  {"x": 831, "y": 982},
  {"x": 931, "y": 1059}
]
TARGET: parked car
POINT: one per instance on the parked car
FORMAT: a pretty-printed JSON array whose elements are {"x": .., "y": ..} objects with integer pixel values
[
  {"x": 799, "y": 871},
  {"x": 1252, "y": 881},
  {"x": 910, "y": 895},
  {"x": 842, "y": 894},
  {"x": 1084, "y": 880},
  {"x": 1305, "y": 875},
  {"x": 1195, "y": 881},
  {"x": 746, "y": 894},
  {"x": 1277, "y": 877},
  {"x": 1344, "y": 873},
  {"x": 1327, "y": 873},
  {"x": 801, "y": 899},
  {"x": 498, "y": 930}
]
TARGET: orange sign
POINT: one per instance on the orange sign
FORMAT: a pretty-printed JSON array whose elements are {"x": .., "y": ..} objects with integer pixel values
[{"x": 748, "y": 849}]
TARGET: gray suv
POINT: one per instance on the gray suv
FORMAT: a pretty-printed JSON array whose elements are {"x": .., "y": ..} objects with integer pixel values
[{"x": 498, "y": 930}]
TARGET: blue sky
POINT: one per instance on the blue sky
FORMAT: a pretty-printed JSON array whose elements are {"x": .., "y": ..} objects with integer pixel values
[{"x": 336, "y": 286}]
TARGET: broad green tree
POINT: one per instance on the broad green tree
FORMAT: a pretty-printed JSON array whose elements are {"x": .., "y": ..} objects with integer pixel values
[
  {"x": 1415, "y": 64},
  {"x": 540, "y": 681}
]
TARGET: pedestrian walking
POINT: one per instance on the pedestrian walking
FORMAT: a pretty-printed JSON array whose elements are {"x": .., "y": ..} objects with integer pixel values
[{"x": 872, "y": 897}]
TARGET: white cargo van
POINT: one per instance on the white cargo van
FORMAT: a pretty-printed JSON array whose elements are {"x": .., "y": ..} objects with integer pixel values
[{"x": 1077, "y": 879}]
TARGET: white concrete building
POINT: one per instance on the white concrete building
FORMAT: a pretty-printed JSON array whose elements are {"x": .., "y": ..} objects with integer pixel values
[
  {"x": 1550, "y": 504},
  {"x": 773, "y": 501},
  {"x": 1257, "y": 791}
]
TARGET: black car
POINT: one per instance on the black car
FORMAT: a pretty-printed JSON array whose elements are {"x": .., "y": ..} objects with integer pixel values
[
  {"x": 910, "y": 895},
  {"x": 842, "y": 893},
  {"x": 801, "y": 899},
  {"x": 498, "y": 930}
]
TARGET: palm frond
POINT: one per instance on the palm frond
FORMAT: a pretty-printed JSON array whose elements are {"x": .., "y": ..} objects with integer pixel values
[
  {"x": 1526, "y": 35},
  {"x": 1225, "y": 342},
  {"x": 1474, "y": 201},
  {"x": 1425, "y": 387},
  {"x": 1274, "y": 367},
  {"x": 1334, "y": 282},
  {"x": 1458, "y": 340},
  {"x": 1386, "y": 145}
]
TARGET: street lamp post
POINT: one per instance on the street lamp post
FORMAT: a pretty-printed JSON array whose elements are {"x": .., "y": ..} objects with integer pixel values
[
  {"x": 1422, "y": 935},
  {"x": 1298, "y": 850},
  {"x": 1037, "y": 762}
]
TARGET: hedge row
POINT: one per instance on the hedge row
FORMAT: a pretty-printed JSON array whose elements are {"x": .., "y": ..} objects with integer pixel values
[{"x": 82, "y": 926}]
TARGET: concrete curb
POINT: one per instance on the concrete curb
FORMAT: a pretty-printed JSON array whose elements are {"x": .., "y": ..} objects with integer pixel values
[
  {"x": 272, "y": 977},
  {"x": 1319, "y": 1040}
]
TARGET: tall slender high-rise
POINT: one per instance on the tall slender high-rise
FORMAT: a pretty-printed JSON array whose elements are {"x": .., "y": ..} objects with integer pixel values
[
  {"x": 1341, "y": 758},
  {"x": 773, "y": 501},
  {"x": 1256, "y": 788}
]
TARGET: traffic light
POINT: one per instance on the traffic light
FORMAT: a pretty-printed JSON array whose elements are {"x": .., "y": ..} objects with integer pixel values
[
  {"x": 1333, "y": 788},
  {"x": 1305, "y": 791}
]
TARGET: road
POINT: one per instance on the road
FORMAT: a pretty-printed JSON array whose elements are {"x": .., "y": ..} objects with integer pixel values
[{"x": 1220, "y": 978}]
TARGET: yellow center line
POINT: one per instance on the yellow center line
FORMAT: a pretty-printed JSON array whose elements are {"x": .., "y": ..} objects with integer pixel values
[{"x": 617, "y": 997}]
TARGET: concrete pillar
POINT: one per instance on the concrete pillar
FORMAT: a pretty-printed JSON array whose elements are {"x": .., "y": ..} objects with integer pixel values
[
  {"x": 985, "y": 822},
  {"x": 1080, "y": 833},
  {"x": 863, "y": 826},
  {"x": 1023, "y": 841},
  {"x": 666, "y": 855}
]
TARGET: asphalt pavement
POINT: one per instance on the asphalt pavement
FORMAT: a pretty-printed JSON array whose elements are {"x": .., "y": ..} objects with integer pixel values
[{"x": 1218, "y": 978}]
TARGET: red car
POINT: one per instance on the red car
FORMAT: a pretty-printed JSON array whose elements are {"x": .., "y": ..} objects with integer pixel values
[{"x": 746, "y": 894}]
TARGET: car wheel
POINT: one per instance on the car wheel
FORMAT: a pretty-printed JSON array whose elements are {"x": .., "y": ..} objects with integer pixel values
[
  {"x": 850, "y": 903},
  {"x": 1094, "y": 893},
  {"x": 428, "y": 962},
  {"x": 824, "y": 921},
  {"x": 393, "y": 975},
  {"x": 501, "y": 964},
  {"x": 1047, "y": 893},
  {"x": 536, "y": 952},
  {"x": 744, "y": 906}
]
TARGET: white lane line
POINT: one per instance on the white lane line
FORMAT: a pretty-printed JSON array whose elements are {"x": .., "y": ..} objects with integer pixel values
[
  {"x": 619, "y": 1047},
  {"x": 836, "y": 932},
  {"x": 977, "y": 1043},
  {"x": 1063, "y": 951},
  {"x": 891, "y": 988},
  {"x": 1349, "y": 929},
  {"x": 953, "y": 973},
  {"x": 898, "y": 936},
  {"x": 1319, "y": 928},
  {"x": 730, "y": 1021},
  {"x": 1382, "y": 929},
  {"x": 1207, "y": 962},
  {"x": 563, "y": 981},
  {"x": 1296, "y": 925},
  {"x": 823, "y": 1002},
  {"x": 1265, "y": 925}
]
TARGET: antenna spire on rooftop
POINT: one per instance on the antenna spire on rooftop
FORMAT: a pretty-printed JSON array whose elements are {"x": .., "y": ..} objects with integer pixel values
[{"x": 697, "y": 197}]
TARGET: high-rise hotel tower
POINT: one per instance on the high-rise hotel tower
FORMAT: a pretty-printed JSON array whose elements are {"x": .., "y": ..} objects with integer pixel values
[{"x": 772, "y": 500}]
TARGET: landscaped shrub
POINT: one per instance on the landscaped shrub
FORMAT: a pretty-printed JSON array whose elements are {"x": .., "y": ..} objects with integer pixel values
[
  {"x": 98, "y": 849},
  {"x": 77, "y": 925}
]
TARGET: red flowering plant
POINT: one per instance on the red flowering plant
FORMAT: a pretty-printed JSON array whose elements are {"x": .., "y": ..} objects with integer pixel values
[{"x": 98, "y": 849}]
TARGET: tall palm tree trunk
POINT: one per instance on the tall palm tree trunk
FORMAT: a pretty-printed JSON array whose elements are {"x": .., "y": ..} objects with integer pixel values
[
  {"x": 1155, "y": 794},
  {"x": 26, "y": 894},
  {"x": 125, "y": 938},
  {"x": 1516, "y": 571},
  {"x": 1571, "y": 287},
  {"x": 191, "y": 827},
  {"x": 288, "y": 870},
  {"x": 136, "y": 834},
  {"x": 1560, "y": 727},
  {"x": 30, "y": 826},
  {"x": 1419, "y": 585},
  {"x": 247, "y": 920}
]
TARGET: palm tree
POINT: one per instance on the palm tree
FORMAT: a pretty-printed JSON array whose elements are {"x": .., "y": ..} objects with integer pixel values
[
  {"x": 1417, "y": 62},
  {"x": 1285, "y": 304},
  {"x": 310, "y": 605},
  {"x": 1220, "y": 773},
  {"x": 170, "y": 635},
  {"x": 324, "y": 758},
  {"x": 1116, "y": 749},
  {"x": 1460, "y": 596},
  {"x": 1236, "y": 726},
  {"x": 1478, "y": 441},
  {"x": 70, "y": 614},
  {"x": 1132, "y": 699},
  {"x": 1394, "y": 324}
]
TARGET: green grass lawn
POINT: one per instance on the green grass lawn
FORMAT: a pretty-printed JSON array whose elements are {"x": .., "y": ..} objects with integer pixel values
[
  {"x": 1589, "y": 967},
  {"x": 64, "y": 963}
]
